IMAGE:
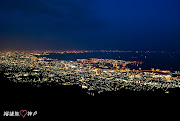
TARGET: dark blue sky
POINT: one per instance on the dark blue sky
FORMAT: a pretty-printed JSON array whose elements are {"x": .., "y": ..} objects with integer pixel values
[{"x": 90, "y": 24}]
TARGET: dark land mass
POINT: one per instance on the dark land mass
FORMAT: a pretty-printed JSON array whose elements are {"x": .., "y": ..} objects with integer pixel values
[
  {"x": 12, "y": 92},
  {"x": 15, "y": 92},
  {"x": 46, "y": 99}
]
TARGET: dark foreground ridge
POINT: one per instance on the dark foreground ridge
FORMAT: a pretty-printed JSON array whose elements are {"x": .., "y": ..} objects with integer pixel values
[
  {"x": 16, "y": 92},
  {"x": 44, "y": 99},
  {"x": 47, "y": 99}
]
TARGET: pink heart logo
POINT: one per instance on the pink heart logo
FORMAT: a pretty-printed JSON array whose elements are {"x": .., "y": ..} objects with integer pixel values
[{"x": 23, "y": 113}]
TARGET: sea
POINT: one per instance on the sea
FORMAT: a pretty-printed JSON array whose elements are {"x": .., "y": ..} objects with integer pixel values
[{"x": 151, "y": 59}]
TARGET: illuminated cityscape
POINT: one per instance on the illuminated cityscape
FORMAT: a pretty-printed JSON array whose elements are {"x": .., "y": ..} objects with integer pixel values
[
  {"x": 59, "y": 55},
  {"x": 93, "y": 74}
]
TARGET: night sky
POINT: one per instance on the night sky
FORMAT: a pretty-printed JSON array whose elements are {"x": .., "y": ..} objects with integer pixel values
[{"x": 90, "y": 24}]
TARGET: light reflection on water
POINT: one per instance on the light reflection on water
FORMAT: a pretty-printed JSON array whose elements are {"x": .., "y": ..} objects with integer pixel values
[{"x": 163, "y": 61}]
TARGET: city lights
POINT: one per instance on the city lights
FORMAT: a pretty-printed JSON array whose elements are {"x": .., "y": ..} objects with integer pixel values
[{"x": 93, "y": 74}]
